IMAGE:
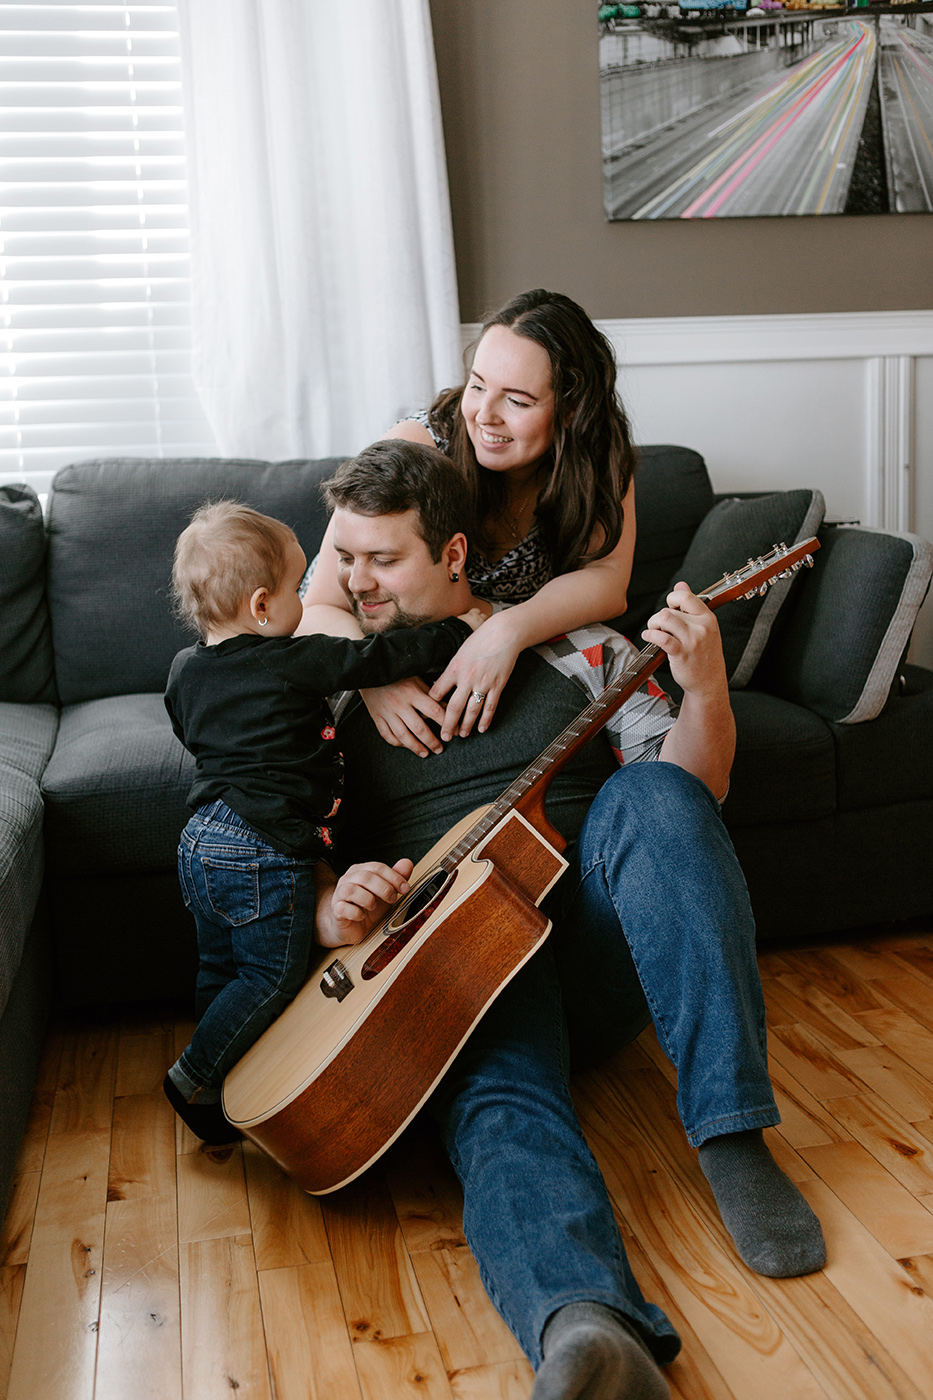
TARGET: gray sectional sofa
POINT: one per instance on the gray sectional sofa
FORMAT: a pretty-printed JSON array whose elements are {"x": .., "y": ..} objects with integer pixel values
[{"x": 831, "y": 804}]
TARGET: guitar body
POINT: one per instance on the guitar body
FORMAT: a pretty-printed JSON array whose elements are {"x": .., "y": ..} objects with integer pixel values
[{"x": 335, "y": 1079}]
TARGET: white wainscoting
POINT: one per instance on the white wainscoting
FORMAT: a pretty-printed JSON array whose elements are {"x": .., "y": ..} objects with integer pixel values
[{"x": 843, "y": 402}]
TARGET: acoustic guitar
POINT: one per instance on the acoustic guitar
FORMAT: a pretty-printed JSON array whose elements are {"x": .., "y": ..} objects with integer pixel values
[{"x": 336, "y": 1078}]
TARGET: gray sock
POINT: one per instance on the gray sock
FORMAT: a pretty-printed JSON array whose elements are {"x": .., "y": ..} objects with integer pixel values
[
  {"x": 591, "y": 1353},
  {"x": 774, "y": 1229}
]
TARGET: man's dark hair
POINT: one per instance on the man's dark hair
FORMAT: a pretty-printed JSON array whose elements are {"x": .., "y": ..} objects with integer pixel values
[{"x": 393, "y": 476}]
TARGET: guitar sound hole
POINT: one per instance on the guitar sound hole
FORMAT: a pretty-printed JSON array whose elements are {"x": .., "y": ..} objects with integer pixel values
[
  {"x": 411, "y": 916},
  {"x": 420, "y": 896}
]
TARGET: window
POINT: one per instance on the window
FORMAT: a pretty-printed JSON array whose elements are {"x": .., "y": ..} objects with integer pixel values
[{"x": 94, "y": 270}]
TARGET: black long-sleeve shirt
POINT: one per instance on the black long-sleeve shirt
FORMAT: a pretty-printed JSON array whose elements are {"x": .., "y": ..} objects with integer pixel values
[{"x": 252, "y": 712}]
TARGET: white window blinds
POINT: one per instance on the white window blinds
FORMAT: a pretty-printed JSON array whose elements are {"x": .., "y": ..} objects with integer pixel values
[{"x": 94, "y": 323}]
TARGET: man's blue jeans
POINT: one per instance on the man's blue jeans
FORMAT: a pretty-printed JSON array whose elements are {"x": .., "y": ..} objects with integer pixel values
[
  {"x": 651, "y": 921},
  {"x": 254, "y": 911}
]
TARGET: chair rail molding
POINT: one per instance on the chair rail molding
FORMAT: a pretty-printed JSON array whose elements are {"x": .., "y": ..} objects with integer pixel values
[{"x": 684, "y": 340}]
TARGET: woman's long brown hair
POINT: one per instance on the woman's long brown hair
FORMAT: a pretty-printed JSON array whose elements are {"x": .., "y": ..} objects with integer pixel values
[{"x": 592, "y": 457}]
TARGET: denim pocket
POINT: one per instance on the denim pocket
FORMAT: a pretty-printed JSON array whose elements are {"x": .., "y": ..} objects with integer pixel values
[{"x": 232, "y": 889}]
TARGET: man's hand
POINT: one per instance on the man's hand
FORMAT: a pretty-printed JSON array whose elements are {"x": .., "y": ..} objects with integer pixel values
[
  {"x": 689, "y": 633},
  {"x": 400, "y": 712},
  {"x": 350, "y": 908},
  {"x": 702, "y": 739},
  {"x": 474, "y": 618}
]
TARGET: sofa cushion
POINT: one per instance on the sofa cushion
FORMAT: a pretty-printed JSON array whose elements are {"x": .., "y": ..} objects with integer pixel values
[
  {"x": 840, "y": 648},
  {"x": 112, "y": 531},
  {"x": 27, "y": 734},
  {"x": 899, "y": 741},
  {"x": 26, "y": 667},
  {"x": 785, "y": 763},
  {"x": 672, "y": 495},
  {"x": 115, "y": 787},
  {"x": 737, "y": 530}
]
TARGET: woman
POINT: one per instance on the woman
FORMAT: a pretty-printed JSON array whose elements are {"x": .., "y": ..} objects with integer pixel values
[{"x": 544, "y": 442}]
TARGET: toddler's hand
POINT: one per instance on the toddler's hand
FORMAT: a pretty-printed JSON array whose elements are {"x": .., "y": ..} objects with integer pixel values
[{"x": 474, "y": 618}]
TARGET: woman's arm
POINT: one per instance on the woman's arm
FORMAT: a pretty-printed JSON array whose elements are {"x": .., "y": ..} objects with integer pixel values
[{"x": 595, "y": 593}]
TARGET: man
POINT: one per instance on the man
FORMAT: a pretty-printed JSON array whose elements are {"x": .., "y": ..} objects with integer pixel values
[{"x": 651, "y": 921}]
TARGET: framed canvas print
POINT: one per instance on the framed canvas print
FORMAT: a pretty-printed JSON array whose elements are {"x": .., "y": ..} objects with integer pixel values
[{"x": 729, "y": 109}]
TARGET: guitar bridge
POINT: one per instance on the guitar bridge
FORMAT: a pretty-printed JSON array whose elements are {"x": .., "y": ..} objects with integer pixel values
[{"x": 336, "y": 981}]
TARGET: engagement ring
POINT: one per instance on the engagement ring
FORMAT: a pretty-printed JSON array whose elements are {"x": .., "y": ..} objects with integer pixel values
[{"x": 478, "y": 696}]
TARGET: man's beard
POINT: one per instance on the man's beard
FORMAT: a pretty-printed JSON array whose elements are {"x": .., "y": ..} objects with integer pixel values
[{"x": 391, "y": 623}]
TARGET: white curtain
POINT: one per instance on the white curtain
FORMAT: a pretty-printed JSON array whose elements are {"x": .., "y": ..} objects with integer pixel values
[{"x": 324, "y": 298}]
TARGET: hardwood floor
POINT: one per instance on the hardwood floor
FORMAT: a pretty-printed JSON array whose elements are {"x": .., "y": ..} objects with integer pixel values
[{"x": 135, "y": 1263}]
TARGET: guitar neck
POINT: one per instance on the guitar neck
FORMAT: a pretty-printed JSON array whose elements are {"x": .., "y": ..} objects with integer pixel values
[{"x": 528, "y": 789}]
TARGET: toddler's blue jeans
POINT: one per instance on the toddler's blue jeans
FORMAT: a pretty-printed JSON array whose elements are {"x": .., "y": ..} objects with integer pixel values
[{"x": 254, "y": 911}]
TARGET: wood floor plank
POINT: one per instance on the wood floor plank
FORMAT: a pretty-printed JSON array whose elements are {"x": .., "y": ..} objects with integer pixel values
[
  {"x": 505, "y": 1380},
  {"x": 288, "y": 1228},
  {"x": 139, "y": 1339},
  {"x": 804, "y": 1120},
  {"x": 377, "y": 1280},
  {"x": 142, "y": 1157},
  {"x": 212, "y": 1200},
  {"x": 18, "y": 1221},
  {"x": 12, "y": 1278},
  {"x": 917, "y": 957},
  {"x": 788, "y": 1158},
  {"x": 846, "y": 1356},
  {"x": 35, "y": 1134},
  {"x": 402, "y": 1368},
  {"x": 83, "y": 1100},
  {"x": 883, "y": 1294},
  {"x": 888, "y": 1076},
  {"x": 823, "y": 1016},
  {"x": 822, "y": 969},
  {"x": 902, "y": 1034},
  {"x": 143, "y": 1058},
  {"x": 866, "y": 962},
  {"x": 920, "y": 1269},
  {"x": 425, "y": 1191},
  {"x": 895, "y": 1143},
  {"x": 468, "y": 1329},
  {"x": 911, "y": 994},
  {"x": 884, "y": 1206},
  {"x": 310, "y": 1354},
  {"x": 223, "y": 1344},
  {"x": 56, "y": 1339},
  {"x": 810, "y": 1062},
  {"x": 651, "y": 1050}
]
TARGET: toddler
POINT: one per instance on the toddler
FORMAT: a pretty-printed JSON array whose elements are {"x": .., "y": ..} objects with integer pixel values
[{"x": 248, "y": 702}]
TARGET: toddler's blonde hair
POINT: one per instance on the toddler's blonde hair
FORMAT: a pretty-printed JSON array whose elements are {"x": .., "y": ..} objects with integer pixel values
[{"x": 221, "y": 558}]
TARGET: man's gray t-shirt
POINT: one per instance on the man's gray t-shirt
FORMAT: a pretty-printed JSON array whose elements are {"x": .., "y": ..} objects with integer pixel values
[{"x": 397, "y": 804}]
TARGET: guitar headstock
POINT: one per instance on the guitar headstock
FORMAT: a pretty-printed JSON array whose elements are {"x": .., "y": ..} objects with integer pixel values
[{"x": 757, "y": 575}]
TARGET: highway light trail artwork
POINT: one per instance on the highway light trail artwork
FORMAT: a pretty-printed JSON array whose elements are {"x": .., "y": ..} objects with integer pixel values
[{"x": 785, "y": 108}]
